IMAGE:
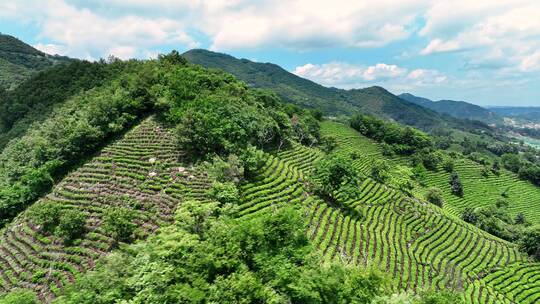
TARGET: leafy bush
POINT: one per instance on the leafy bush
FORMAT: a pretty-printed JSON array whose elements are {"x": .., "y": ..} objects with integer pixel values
[
  {"x": 530, "y": 242},
  {"x": 229, "y": 170},
  {"x": 71, "y": 225},
  {"x": 497, "y": 221},
  {"x": 252, "y": 159},
  {"x": 195, "y": 216},
  {"x": 328, "y": 143},
  {"x": 231, "y": 117},
  {"x": 420, "y": 173},
  {"x": 225, "y": 193},
  {"x": 455, "y": 184},
  {"x": 334, "y": 174},
  {"x": 440, "y": 297},
  {"x": 469, "y": 216},
  {"x": 118, "y": 223},
  {"x": 380, "y": 171},
  {"x": 19, "y": 296},
  {"x": 404, "y": 140},
  {"x": 264, "y": 260},
  {"x": 448, "y": 165},
  {"x": 46, "y": 216},
  {"x": 430, "y": 159},
  {"x": 434, "y": 196}
]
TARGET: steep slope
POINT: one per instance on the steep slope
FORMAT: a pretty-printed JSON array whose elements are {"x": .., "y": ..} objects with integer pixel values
[
  {"x": 480, "y": 190},
  {"x": 305, "y": 93},
  {"x": 417, "y": 244},
  {"x": 19, "y": 60},
  {"x": 457, "y": 109},
  {"x": 139, "y": 172}
]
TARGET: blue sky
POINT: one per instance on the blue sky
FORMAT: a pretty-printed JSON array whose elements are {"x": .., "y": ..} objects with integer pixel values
[{"x": 485, "y": 51}]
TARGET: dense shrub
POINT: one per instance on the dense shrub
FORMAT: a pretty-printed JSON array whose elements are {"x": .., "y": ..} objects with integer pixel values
[
  {"x": 46, "y": 216},
  {"x": 118, "y": 222},
  {"x": 19, "y": 296},
  {"x": 404, "y": 140},
  {"x": 455, "y": 184},
  {"x": 264, "y": 260},
  {"x": 230, "y": 169},
  {"x": 225, "y": 193},
  {"x": 430, "y": 159},
  {"x": 71, "y": 225},
  {"x": 434, "y": 196},
  {"x": 530, "y": 242},
  {"x": 448, "y": 165},
  {"x": 380, "y": 171},
  {"x": 332, "y": 175},
  {"x": 497, "y": 221}
]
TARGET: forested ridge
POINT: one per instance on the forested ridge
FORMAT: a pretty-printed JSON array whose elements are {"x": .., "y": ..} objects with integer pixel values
[
  {"x": 161, "y": 181},
  {"x": 18, "y": 61}
]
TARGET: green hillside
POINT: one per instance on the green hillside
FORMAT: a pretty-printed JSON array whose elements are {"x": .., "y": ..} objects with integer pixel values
[
  {"x": 18, "y": 61},
  {"x": 375, "y": 100},
  {"x": 161, "y": 181},
  {"x": 417, "y": 244},
  {"x": 147, "y": 179},
  {"x": 480, "y": 190}
]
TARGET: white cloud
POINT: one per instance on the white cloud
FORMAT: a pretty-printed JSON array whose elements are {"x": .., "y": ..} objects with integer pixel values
[
  {"x": 233, "y": 24},
  {"x": 501, "y": 34},
  {"x": 423, "y": 77},
  {"x": 304, "y": 24},
  {"x": 382, "y": 70},
  {"x": 345, "y": 75},
  {"x": 52, "y": 49},
  {"x": 82, "y": 33},
  {"x": 439, "y": 46}
]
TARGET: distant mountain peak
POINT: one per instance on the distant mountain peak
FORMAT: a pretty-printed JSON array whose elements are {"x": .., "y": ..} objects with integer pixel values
[
  {"x": 306, "y": 93},
  {"x": 457, "y": 109}
]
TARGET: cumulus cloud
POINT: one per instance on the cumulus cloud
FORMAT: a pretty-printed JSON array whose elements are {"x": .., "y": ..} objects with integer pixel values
[
  {"x": 440, "y": 46},
  {"x": 50, "y": 48},
  {"x": 82, "y": 33},
  {"x": 423, "y": 77},
  {"x": 345, "y": 75},
  {"x": 302, "y": 24},
  {"x": 237, "y": 24},
  {"x": 490, "y": 33}
]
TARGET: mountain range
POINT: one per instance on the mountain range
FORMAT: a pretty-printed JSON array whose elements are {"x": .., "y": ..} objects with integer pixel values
[
  {"x": 332, "y": 101},
  {"x": 458, "y": 109},
  {"x": 528, "y": 113}
]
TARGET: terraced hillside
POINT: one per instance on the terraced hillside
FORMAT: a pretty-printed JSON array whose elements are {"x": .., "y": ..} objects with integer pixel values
[
  {"x": 418, "y": 244},
  {"x": 140, "y": 172},
  {"x": 479, "y": 191}
]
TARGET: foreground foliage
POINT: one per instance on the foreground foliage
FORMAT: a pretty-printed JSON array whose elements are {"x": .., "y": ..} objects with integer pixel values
[{"x": 265, "y": 260}]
